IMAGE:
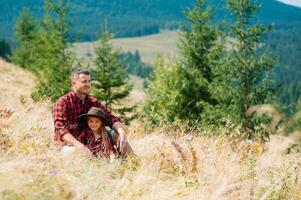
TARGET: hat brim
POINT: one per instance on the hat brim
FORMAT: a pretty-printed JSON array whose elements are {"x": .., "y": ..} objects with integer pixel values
[{"x": 83, "y": 119}]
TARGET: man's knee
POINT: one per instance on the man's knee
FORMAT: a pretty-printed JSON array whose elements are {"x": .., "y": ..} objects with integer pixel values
[{"x": 67, "y": 150}]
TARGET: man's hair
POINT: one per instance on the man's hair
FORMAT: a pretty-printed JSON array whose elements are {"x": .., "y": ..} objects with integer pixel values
[{"x": 77, "y": 71}]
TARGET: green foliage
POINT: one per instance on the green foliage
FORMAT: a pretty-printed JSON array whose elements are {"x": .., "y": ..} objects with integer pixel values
[
  {"x": 162, "y": 92},
  {"x": 111, "y": 79},
  {"x": 241, "y": 78},
  {"x": 25, "y": 31},
  {"x": 134, "y": 65},
  {"x": 211, "y": 88},
  {"x": 128, "y": 20},
  {"x": 180, "y": 90},
  {"x": 5, "y": 50},
  {"x": 199, "y": 48},
  {"x": 52, "y": 58},
  {"x": 286, "y": 46}
]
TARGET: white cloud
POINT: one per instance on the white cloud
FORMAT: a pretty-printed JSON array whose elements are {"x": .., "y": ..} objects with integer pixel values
[{"x": 292, "y": 2}]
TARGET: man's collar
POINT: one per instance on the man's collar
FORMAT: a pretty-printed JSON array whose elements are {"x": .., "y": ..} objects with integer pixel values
[{"x": 76, "y": 98}]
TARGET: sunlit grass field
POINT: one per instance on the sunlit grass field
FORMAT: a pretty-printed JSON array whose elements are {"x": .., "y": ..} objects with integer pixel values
[
  {"x": 171, "y": 163},
  {"x": 149, "y": 47}
]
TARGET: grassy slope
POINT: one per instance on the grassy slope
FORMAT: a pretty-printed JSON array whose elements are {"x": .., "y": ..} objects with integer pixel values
[
  {"x": 166, "y": 168},
  {"x": 149, "y": 47}
]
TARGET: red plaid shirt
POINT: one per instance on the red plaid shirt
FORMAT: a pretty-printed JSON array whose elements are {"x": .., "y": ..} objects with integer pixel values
[
  {"x": 67, "y": 110},
  {"x": 101, "y": 147}
]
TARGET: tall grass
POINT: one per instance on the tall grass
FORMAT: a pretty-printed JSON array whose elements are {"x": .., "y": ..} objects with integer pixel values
[{"x": 170, "y": 164}]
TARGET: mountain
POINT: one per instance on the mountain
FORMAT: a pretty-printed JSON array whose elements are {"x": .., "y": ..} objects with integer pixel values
[{"x": 136, "y": 17}]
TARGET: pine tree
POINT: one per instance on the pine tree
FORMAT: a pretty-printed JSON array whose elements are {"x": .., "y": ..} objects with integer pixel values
[
  {"x": 163, "y": 92},
  {"x": 53, "y": 57},
  {"x": 199, "y": 49},
  {"x": 242, "y": 76},
  {"x": 25, "y": 30},
  {"x": 181, "y": 89},
  {"x": 111, "y": 79},
  {"x": 5, "y": 50}
]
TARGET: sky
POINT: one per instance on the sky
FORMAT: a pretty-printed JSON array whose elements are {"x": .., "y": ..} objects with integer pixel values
[{"x": 292, "y": 2}]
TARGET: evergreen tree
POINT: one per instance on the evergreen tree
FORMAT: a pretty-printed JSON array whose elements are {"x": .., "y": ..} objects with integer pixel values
[
  {"x": 285, "y": 44},
  {"x": 163, "y": 92},
  {"x": 242, "y": 75},
  {"x": 52, "y": 55},
  {"x": 198, "y": 46},
  {"x": 111, "y": 79},
  {"x": 182, "y": 89},
  {"x": 5, "y": 50},
  {"x": 134, "y": 65},
  {"x": 25, "y": 30}
]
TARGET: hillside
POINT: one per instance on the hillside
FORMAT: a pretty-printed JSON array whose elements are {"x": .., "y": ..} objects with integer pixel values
[
  {"x": 169, "y": 161},
  {"x": 126, "y": 19},
  {"x": 149, "y": 47}
]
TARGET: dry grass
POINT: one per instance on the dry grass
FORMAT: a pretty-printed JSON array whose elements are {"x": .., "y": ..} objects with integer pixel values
[{"x": 168, "y": 166}]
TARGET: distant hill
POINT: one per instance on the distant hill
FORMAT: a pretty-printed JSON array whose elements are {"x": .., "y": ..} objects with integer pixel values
[
  {"x": 125, "y": 18},
  {"x": 149, "y": 47},
  {"x": 135, "y": 17}
]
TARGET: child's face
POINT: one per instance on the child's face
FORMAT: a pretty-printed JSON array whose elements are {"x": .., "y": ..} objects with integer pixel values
[{"x": 94, "y": 123}]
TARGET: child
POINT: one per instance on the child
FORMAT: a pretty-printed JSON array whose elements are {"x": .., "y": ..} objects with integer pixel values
[{"x": 95, "y": 135}]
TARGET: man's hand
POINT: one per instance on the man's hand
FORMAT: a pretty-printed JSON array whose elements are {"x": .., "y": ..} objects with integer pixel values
[{"x": 122, "y": 141}]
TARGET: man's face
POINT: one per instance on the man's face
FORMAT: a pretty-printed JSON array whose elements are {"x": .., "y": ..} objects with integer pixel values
[{"x": 82, "y": 84}]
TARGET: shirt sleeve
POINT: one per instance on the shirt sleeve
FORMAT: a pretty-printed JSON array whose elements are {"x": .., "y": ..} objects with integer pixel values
[
  {"x": 59, "y": 114},
  {"x": 82, "y": 137}
]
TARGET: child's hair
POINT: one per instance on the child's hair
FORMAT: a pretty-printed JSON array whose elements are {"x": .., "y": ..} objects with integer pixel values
[{"x": 105, "y": 138}]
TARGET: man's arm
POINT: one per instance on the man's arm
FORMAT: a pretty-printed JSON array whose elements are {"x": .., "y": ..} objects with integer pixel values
[
  {"x": 59, "y": 115},
  {"x": 69, "y": 139},
  {"x": 61, "y": 133},
  {"x": 60, "y": 122}
]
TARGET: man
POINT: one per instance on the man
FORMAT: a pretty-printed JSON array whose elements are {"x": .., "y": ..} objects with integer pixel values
[{"x": 69, "y": 107}]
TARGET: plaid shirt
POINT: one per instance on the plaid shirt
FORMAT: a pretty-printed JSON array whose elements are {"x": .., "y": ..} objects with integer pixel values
[
  {"x": 101, "y": 147},
  {"x": 67, "y": 110}
]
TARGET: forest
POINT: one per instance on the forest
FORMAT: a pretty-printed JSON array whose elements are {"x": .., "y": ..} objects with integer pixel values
[{"x": 126, "y": 19}]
